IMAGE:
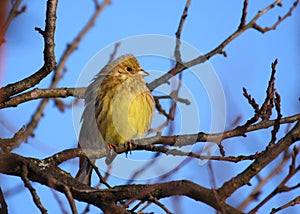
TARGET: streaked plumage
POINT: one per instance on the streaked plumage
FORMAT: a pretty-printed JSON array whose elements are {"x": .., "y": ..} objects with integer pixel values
[{"x": 118, "y": 108}]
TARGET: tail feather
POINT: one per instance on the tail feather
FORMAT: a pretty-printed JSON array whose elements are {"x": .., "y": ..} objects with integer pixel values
[
  {"x": 84, "y": 174},
  {"x": 110, "y": 157}
]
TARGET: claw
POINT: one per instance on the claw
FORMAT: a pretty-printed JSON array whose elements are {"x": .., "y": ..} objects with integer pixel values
[
  {"x": 129, "y": 147},
  {"x": 112, "y": 148}
]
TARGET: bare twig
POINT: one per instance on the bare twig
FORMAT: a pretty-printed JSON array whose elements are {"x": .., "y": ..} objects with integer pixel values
[
  {"x": 161, "y": 205},
  {"x": 7, "y": 144},
  {"x": 174, "y": 96},
  {"x": 104, "y": 199},
  {"x": 101, "y": 178},
  {"x": 219, "y": 49},
  {"x": 34, "y": 195},
  {"x": 137, "y": 206},
  {"x": 113, "y": 54},
  {"x": 49, "y": 57},
  {"x": 278, "y": 189},
  {"x": 267, "y": 106},
  {"x": 291, "y": 203},
  {"x": 161, "y": 110},
  {"x": 43, "y": 93},
  {"x": 70, "y": 48},
  {"x": 148, "y": 203},
  {"x": 277, "y": 121},
  {"x": 280, "y": 19},
  {"x": 214, "y": 186},
  {"x": 14, "y": 12},
  {"x": 74, "y": 44},
  {"x": 175, "y": 152},
  {"x": 265, "y": 110},
  {"x": 257, "y": 190},
  {"x": 190, "y": 139},
  {"x": 61, "y": 204},
  {"x": 244, "y": 14},
  {"x": 179, "y": 30},
  {"x": 3, "y": 205},
  {"x": 244, "y": 177},
  {"x": 251, "y": 100},
  {"x": 70, "y": 199}
]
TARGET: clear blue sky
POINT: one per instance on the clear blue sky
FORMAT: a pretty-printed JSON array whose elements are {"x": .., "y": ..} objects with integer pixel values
[{"x": 208, "y": 23}]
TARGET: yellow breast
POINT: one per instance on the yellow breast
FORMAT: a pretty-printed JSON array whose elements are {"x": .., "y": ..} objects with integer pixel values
[{"x": 126, "y": 112}]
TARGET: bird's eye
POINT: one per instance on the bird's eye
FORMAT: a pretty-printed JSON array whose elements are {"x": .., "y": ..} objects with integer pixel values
[{"x": 128, "y": 69}]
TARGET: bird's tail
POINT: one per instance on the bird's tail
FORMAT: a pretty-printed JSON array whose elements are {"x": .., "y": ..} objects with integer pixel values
[
  {"x": 110, "y": 157},
  {"x": 84, "y": 174}
]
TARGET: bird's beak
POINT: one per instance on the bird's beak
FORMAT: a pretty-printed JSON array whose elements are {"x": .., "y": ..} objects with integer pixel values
[{"x": 143, "y": 73}]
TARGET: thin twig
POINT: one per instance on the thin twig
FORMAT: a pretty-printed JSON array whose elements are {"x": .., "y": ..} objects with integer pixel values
[
  {"x": 49, "y": 57},
  {"x": 34, "y": 195},
  {"x": 172, "y": 96},
  {"x": 280, "y": 19},
  {"x": 137, "y": 206},
  {"x": 179, "y": 30},
  {"x": 158, "y": 203},
  {"x": 281, "y": 187},
  {"x": 251, "y": 100},
  {"x": 277, "y": 121},
  {"x": 254, "y": 168},
  {"x": 113, "y": 54},
  {"x": 219, "y": 49},
  {"x": 161, "y": 110},
  {"x": 3, "y": 205},
  {"x": 101, "y": 178},
  {"x": 70, "y": 199},
  {"x": 43, "y": 93},
  {"x": 32, "y": 124},
  {"x": 13, "y": 13},
  {"x": 61, "y": 204},
  {"x": 7, "y": 144},
  {"x": 244, "y": 14},
  {"x": 291, "y": 203},
  {"x": 257, "y": 190},
  {"x": 176, "y": 152},
  {"x": 214, "y": 186},
  {"x": 265, "y": 110},
  {"x": 148, "y": 203}
]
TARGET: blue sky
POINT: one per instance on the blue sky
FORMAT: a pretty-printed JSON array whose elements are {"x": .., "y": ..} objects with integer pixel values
[{"x": 208, "y": 23}]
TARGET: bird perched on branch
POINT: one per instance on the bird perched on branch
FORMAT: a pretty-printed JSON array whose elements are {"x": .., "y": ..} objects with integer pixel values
[{"x": 118, "y": 108}]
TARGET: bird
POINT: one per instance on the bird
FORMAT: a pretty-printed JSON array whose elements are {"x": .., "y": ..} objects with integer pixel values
[{"x": 119, "y": 108}]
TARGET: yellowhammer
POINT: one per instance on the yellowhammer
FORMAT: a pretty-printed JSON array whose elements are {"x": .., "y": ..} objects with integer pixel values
[{"x": 118, "y": 108}]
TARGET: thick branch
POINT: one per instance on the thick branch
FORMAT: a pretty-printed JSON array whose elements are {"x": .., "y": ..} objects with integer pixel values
[{"x": 50, "y": 175}]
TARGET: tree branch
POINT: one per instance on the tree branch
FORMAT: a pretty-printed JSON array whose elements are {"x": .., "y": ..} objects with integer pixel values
[
  {"x": 293, "y": 202},
  {"x": 273, "y": 151},
  {"x": 32, "y": 124},
  {"x": 14, "y": 12},
  {"x": 49, "y": 57},
  {"x": 179, "y": 30},
  {"x": 3, "y": 205},
  {"x": 36, "y": 198},
  {"x": 43, "y": 93},
  {"x": 43, "y": 173},
  {"x": 219, "y": 49},
  {"x": 281, "y": 187}
]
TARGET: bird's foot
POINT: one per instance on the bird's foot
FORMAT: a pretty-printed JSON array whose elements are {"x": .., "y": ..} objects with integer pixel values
[
  {"x": 129, "y": 147},
  {"x": 112, "y": 148}
]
